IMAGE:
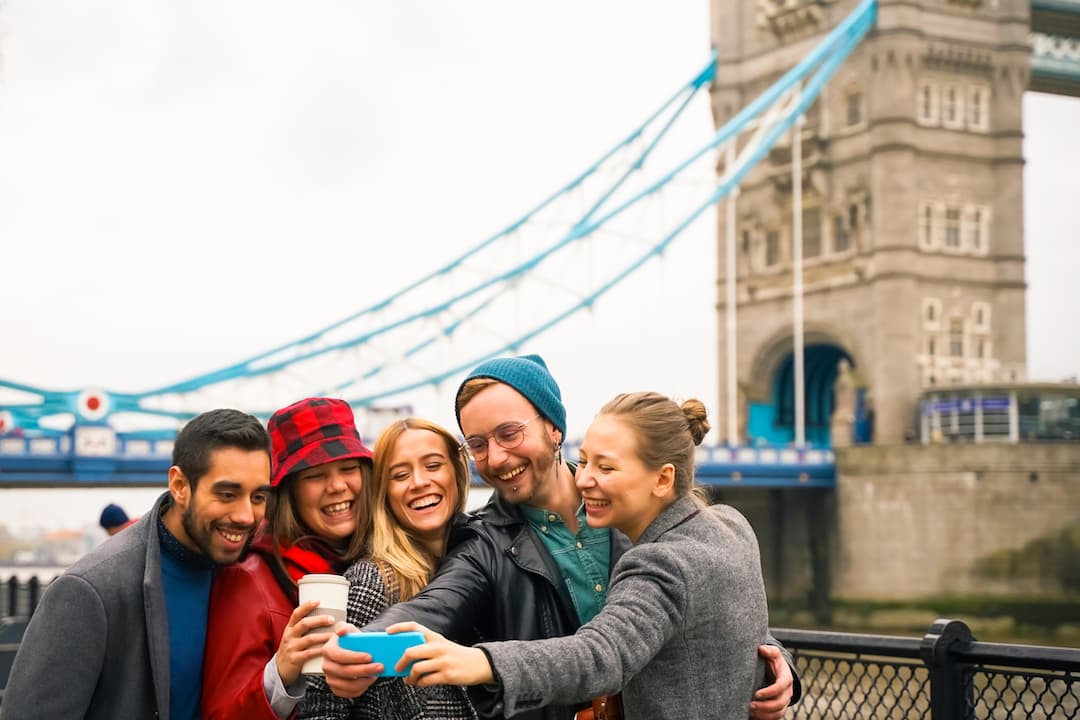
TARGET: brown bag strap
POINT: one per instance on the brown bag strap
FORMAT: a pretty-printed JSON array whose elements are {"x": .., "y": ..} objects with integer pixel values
[{"x": 605, "y": 707}]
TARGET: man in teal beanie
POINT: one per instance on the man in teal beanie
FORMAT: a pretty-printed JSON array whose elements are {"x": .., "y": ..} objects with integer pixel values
[
  {"x": 526, "y": 566},
  {"x": 528, "y": 375}
]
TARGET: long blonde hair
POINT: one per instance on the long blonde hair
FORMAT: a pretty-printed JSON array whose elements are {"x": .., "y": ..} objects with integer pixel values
[{"x": 391, "y": 543}]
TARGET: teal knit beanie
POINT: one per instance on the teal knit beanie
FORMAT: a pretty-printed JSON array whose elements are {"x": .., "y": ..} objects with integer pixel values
[{"x": 528, "y": 375}]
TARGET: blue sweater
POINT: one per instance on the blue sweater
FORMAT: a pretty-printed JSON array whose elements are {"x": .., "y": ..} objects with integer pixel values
[{"x": 186, "y": 577}]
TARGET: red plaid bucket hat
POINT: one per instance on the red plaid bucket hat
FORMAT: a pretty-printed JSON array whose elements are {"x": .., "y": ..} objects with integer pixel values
[{"x": 312, "y": 432}]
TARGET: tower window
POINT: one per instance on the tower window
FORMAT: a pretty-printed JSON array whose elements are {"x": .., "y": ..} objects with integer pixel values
[
  {"x": 980, "y": 316},
  {"x": 927, "y": 111},
  {"x": 976, "y": 222},
  {"x": 931, "y": 313},
  {"x": 854, "y": 108},
  {"x": 956, "y": 337},
  {"x": 811, "y": 233},
  {"x": 841, "y": 237},
  {"x": 952, "y": 228},
  {"x": 978, "y": 116},
  {"x": 926, "y": 226},
  {"x": 772, "y": 248},
  {"x": 952, "y": 107}
]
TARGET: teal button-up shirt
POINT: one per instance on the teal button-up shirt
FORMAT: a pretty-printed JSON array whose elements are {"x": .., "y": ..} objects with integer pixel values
[{"x": 583, "y": 559}]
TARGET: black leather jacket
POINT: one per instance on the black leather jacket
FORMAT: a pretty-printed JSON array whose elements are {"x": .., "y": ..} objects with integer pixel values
[{"x": 496, "y": 582}]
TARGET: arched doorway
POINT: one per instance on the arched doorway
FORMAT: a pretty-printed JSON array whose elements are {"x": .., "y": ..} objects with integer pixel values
[{"x": 773, "y": 422}]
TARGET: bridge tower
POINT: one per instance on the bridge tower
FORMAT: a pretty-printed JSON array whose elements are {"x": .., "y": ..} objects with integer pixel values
[{"x": 912, "y": 211}]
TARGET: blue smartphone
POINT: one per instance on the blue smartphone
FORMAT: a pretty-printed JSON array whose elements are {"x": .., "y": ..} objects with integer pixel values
[{"x": 383, "y": 648}]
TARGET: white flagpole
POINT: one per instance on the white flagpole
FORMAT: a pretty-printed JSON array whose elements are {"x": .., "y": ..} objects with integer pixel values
[
  {"x": 797, "y": 279},
  {"x": 729, "y": 281}
]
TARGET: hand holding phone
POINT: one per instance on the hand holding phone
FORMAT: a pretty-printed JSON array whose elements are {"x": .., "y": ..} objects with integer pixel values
[{"x": 383, "y": 647}]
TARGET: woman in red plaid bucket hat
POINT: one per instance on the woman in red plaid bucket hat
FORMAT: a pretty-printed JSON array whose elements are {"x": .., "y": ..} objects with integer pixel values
[{"x": 256, "y": 638}]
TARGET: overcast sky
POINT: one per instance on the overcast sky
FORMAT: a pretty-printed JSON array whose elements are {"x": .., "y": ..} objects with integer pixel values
[{"x": 185, "y": 184}]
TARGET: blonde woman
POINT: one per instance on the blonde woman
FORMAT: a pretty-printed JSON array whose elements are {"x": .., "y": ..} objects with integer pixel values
[{"x": 421, "y": 481}]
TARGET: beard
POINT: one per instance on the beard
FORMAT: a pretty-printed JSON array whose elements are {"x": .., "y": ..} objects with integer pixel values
[
  {"x": 542, "y": 472},
  {"x": 202, "y": 534}
]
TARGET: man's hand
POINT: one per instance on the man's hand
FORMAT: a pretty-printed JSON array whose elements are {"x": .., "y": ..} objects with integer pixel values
[
  {"x": 441, "y": 662},
  {"x": 296, "y": 646},
  {"x": 348, "y": 674},
  {"x": 771, "y": 701}
]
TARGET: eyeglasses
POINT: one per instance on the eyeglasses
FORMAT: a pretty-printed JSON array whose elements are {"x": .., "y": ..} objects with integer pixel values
[{"x": 508, "y": 436}]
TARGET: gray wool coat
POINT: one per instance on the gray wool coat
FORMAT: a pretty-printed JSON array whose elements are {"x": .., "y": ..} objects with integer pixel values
[
  {"x": 685, "y": 613},
  {"x": 97, "y": 645}
]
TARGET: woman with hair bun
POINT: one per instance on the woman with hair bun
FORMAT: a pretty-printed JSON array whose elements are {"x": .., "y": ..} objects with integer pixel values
[{"x": 686, "y": 607}]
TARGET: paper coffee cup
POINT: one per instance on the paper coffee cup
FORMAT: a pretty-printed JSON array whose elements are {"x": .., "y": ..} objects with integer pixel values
[{"x": 332, "y": 592}]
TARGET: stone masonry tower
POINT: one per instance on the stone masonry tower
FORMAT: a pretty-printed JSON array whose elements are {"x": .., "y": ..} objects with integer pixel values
[{"x": 912, "y": 210}]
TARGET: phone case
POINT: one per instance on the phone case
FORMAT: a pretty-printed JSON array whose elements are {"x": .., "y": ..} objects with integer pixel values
[{"x": 383, "y": 648}]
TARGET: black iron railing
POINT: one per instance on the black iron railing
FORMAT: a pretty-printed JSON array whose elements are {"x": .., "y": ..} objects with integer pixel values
[
  {"x": 18, "y": 599},
  {"x": 944, "y": 675}
]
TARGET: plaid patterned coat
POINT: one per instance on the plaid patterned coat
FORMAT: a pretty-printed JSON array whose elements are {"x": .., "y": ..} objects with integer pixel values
[{"x": 388, "y": 698}]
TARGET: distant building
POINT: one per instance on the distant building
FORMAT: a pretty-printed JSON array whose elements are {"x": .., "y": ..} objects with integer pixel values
[{"x": 912, "y": 211}]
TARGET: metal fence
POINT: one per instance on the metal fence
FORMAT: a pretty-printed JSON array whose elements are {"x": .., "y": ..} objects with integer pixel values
[
  {"x": 946, "y": 674},
  {"x": 18, "y": 599}
]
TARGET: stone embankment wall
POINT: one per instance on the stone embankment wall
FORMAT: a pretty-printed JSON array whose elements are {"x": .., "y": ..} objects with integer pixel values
[{"x": 917, "y": 521}]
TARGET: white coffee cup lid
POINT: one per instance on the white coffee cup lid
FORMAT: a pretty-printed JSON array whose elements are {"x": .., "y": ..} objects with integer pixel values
[{"x": 323, "y": 578}]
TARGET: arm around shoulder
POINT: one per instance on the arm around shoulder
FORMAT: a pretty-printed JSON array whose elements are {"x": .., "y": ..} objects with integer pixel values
[{"x": 454, "y": 600}]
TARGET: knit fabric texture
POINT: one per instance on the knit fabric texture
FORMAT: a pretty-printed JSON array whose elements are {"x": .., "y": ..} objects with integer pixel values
[{"x": 528, "y": 375}]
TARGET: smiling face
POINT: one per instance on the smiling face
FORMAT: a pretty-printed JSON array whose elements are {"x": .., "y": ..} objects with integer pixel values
[
  {"x": 219, "y": 517},
  {"x": 422, "y": 492},
  {"x": 325, "y": 497},
  {"x": 522, "y": 474},
  {"x": 618, "y": 490}
]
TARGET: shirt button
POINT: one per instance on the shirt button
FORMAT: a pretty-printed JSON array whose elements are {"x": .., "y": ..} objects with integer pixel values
[
  {"x": 599, "y": 587},
  {"x": 513, "y": 551},
  {"x": 579, "y": 545},
  {"x": 543, "y": 528},
  {"x": 552, "y": 518}
]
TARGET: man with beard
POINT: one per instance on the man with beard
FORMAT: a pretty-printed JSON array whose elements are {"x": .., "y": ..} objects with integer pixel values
[
  {"x": 526, "y": 566},
  {"x": 121, "y": 633}
]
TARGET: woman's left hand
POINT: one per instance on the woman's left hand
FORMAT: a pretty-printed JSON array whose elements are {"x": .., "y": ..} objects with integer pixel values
[{"x": 441, "y": 662}]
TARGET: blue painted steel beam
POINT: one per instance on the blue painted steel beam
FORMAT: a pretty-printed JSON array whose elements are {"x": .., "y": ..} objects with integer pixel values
[
  {"x": 63, "y": 470},
  {"x": 809, "y": 74},
  {"x": 1057, "y": 17},
  {"x": 1055, "y": 63}
]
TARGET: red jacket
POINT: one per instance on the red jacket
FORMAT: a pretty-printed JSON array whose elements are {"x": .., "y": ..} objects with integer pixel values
[{"x": 249, "y": 609}]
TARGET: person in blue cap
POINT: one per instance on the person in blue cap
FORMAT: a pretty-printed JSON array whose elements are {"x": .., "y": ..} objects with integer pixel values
[
  {"x": 526, "y": 566},
  {"x": 113, "y": 519}
]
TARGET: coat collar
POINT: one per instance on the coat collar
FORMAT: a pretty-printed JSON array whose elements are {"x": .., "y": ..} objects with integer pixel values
[
  {"x": 157, "y": 625},
  {"x": 674, "y": 514}
]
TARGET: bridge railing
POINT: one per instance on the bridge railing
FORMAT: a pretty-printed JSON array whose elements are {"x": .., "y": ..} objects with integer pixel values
[
  {"x": 944, "y": 674},
  {"x": 97, "y": 456}
]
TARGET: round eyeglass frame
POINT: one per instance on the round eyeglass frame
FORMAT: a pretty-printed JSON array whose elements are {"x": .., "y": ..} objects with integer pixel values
[{"x": 519, "y": 428}]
